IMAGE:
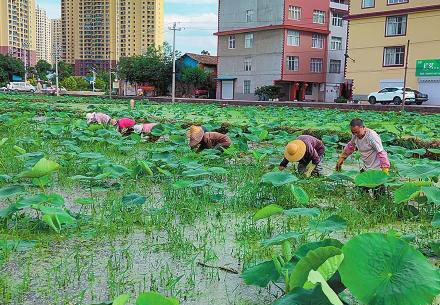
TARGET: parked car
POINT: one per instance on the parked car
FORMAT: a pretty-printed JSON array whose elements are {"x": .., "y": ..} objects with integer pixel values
[
  {"x": 3, "y": 89},
  {"x": 21, "y": 87},
  {"x": 395, "y": 95},
  {"x": 201, "y": 93},
  {"x": 53, "y": 90}
]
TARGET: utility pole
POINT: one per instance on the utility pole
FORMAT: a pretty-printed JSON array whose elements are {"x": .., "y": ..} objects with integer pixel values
[
  {"x": 57, "y": 48},
  {"x": 174, "y": 29},
  {"x": 404, "y": 79},
  {"x": 25, "y": 45}
]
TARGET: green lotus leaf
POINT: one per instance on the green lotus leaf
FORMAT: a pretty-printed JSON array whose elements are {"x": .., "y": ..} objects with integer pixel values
[
  {"x": 42, "y": 168},
  {"x": 195, "y": 173},
  {"x": 406, "y": 192},
  {"x": 279, "y": 239},
  {"x": 436, "y": 220},
  {"x": 300, "y": 195},
  {"x": 121, "y": 300},
  {"x": 301, "y": 296},
  {"x": 371, "y": 178},
  {"x": 268, "y": 211},
  {"x": 382, "y": 269},
  {"x": 154, "y": 298},
  {"x": 432, "y": 193},
  {"x": 312, "y": 261},
  {"x": 261, "y": 275},
  {"x": 315, "y": 277},
  {"x": 133, "y": 198},
  {"x": 327, "y": 270},
  {"x": 179, "y": 184},
  {"x": 218, "y": 170},
  {"x": 332, "y": 224},
  {"x": 311, "y": 212},
  {"x": 11, "y": 191},
  {"x": 279, "y": 178},
  {"x": 90, "y": 155},
  {"x": 304, "y": 249}
]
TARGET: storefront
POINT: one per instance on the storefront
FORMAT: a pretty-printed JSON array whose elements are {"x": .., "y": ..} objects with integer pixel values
[{"x": 428, "y": 75}]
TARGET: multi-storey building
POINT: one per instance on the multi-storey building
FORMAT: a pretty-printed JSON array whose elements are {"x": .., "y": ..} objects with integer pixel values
[
  {"x": 56, "y": 30},
  {"x": 97, "y": 33},
  {"x": 18, "y": 29},
  {"x": 282, "y": 42},
  {"x": 379, "y": 31},
  {"x": 44, "y": 37}
]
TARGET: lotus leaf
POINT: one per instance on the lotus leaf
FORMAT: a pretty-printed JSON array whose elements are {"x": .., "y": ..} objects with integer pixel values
[
  {"x": 300, "y": 195},
  {"x": 383, "y": 269},
  {"x": 436, "y": 220},
  {"x": 133, "y": 198},
  {"x": 315, "y": 277},
  {"x": 328, "y": 269},
  {"x": 268, "y": 211},
  {"x": 278, "y": 178},
  {"x": 301, "y": 296},
  {"x": 432, "y": 193},
  {"x": 154, "y": 298},
  {"x": 406, "y": 192},
  {"x": 11, "y": 190},
  {"x": 179, "y": 184},
  {"x": 331, "y": 224},
  {"x": 261, "y": 275},
  {"x": 304, "y": 249},
  {"x": 312, "y": 212},
  {"x": 195, "y": 172},
  {"x": 43, "y": 168},
  {"x": 278, "y": 240},
  {"x": 121, "y": 300},
  {"x": 371, "y": 178},
  {"x": 218, "y": 170},
  {"x": 17, "y": 245}
]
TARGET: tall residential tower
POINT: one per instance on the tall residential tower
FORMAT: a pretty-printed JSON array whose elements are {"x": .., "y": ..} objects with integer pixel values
[
  {"x": 44, "y": 37},
  {"x": 56, "y": 31},
  {"x": 97, "y": 33},
  {"x": 18, "y": 29}
]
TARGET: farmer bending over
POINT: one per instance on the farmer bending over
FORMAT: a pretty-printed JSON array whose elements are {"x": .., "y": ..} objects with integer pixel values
[
  {"x": 306, "y": 150},
  {"x": 98, "y": 118},
  {"x": 207, "y": 140},
  {"x": 145, "y": 130},
  {"x": 125, "y": 126}
]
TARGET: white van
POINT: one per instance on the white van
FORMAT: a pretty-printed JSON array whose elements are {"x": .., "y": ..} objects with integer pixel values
[{"x": 20, "y": 87}]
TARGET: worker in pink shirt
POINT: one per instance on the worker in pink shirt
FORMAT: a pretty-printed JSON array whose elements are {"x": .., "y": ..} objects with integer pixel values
[
  {"x": 125, "y": 126},
  {"x": 98, "y": 118},
  {"x": 145, "y": 130}
]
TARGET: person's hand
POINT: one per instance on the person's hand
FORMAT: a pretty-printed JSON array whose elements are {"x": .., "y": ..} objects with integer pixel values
[
  {"x": 339, "y": 163},
  {"x": 281, "y": 168},
  {"x": 310, "y": 169},
  {"x": 386, "y": 170}
]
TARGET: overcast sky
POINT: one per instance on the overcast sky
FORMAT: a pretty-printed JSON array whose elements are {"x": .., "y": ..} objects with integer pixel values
[{"x": 198, "y": 18}]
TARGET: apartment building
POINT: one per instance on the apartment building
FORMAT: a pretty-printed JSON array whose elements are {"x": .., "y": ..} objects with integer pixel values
[
  {"x": 44, "y": 36},
  {"x": 282, "y": 42},
  {"x": 95, "y": 34},
  {"x": 57, "y": 38},
  {"x": 18, "y": 30},
  {"x": 379, "y": 32}
]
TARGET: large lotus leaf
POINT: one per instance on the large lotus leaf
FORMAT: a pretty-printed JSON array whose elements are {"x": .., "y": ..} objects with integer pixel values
[
  {"x": 279, "y": 239},
  {"x": 154, "y": 298},
  {"x": 180, "y": 184},
  {"x": 383, "y": 269},
  {"x": 200, "y": 183},
  {"x": 90, "y": 155},
  {"x": 17, "y": 245},
  {"x": 278, "y": 178},
  {"x": 158, "y": 130},
  {"x": 11, "y": 190},
  {"x": 328, "y": 269},
  {"x": 38, "y": 199},
  {"x": 133, "y": 198},
  {"x": 116, "y": 170},
  {"x": 42, "y": 168},
  {"x": 311, "y": 212},
  {"x": 418, "y": 171},
  {"x": 300, "y": 195},
  {"x": 371, "y": 178},
  {"x": 435, "y": 247},
  {"x": 268, "y": 211},
  {"x": 316, "y": 277},
  {"x": 52, "y": 221},
  {"x": 406, "y": 192},
  {"x": 301, "y": 296},
  {"x": 432, "y": 193},
  {"x": 164, "y": 156},
  {"x": 218, "y": 170},
  {"x": 10, "y": 210},
  {"x": 436, "y": 220},
  {"x": 121, "y": 300},
  {"x": 261, "y": 275},
  {"x": 304, "y": 249},
  {"x": 312, "y": 261},
  {"x": 195, "y": 173},
  {"x": 340, "y": 177},
  {"x": 332, "y": 224}
]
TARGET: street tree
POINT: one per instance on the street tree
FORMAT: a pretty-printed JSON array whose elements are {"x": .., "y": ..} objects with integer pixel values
[{"x": 10, "y": 66}]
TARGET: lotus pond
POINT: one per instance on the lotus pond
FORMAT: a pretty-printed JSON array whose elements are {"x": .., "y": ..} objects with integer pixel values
[{"x": 90, "y": 217}]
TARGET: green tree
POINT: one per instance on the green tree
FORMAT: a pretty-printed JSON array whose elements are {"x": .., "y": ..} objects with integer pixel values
[
  {"x": 193, "y": 76},
  {"x": 81, "y": 83},
  {"x": 154, "y": 68},
  {"x": 42, "y": 68},
  {"x": 69, "y": 83},
  {"x": 65, "y": 70},
  {"x": 10, "y": 66},
  {"x": 100, "y": 84}
]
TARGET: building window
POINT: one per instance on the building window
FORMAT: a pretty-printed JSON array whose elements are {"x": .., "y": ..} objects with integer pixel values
[
  {"x": 294, "y": 12},
  {"x": 249, "y": 15},
  {"x": 248, "y": 64},
  {"x": 337, "y": 19},
  {"x": 336, "y": 43},
  {"x": 247, "y": 87},
  {"x": 293, "y": 63},
  {"x": 317, "y": 41},
  {"x": 309, "y": 89},
  {"x": 335, "y": 66},
  {"x": 249, "y": 40},
  {"x": 394, "y": 56},
  {"x": 231, "y": 44},
  {"x": 368, "y": 3},
  {"x": 316, "y": 65},
  {"x": 318, "y": 17},
  {"x": 396, "y": 26},
  {"x": 292, "y": 38},
  {"x": 397, "y": 1}
]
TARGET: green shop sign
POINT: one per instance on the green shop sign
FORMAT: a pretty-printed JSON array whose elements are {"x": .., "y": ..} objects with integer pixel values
[{"x": 428, "y": 67}]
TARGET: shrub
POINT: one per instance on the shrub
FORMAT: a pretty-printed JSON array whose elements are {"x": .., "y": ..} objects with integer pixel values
[
  {"x": 341, "y": 100},
  {"x": 269, "y": 92},
  {"x": 69, "y": 83}
]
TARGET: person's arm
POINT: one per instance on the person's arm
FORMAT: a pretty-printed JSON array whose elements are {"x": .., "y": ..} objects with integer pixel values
[
  {"x": 383, "y": 158},
  {"x": 348, "y": 150},
  {"x": 283, "y": 164},
  {"x": 376, "y": 144}
]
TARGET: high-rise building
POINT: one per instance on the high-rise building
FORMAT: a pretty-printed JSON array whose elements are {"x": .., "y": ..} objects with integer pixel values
[
  {"x": 18, "y": 30},
  {"x": 44, "y": 37},
  {"x": 298, "y": 45},
  {"x": 379, "y": 32},
  {"x": 97, "y": 33},
  {"x": 56, "y": 30}
]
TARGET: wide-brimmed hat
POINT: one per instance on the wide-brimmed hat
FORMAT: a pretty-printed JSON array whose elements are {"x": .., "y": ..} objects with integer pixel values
[
  {"x": 138, "y": 128},
  {"x": 195, "y": 135},
  {"x": 295, "y": 151},
  {"x": 90, "y": 117}
]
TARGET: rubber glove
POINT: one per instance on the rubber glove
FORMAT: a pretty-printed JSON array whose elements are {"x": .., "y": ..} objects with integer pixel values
[
  {"x": 310, "y": 169},
  {"x": 386, "y": 170},
  {"x": 340, "y": 162}
]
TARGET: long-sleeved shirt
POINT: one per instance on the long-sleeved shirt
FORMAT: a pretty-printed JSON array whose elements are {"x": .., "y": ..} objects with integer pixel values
[
  {"x": 125, "y": 123},
  {"x": 148, "y": 127},
  {"x": 99, "y": 118},
  {"x": 315, "y": 149},
  {"x": 214, "y": 139},
  {"x": 370, "y": 147}
]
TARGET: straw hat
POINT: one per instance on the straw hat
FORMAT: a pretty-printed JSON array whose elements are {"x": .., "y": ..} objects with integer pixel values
[
  {"x": 90, "y": 116},
  {"x": 138, "y": 128},
  {"x": 295, "y": 151},
  {"x": 114, "y": 122},
  {"x": 195, "y": 135}
]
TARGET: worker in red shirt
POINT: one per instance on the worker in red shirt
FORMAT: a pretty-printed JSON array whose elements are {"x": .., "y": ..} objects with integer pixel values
[{"x": 125, "y": 126}]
